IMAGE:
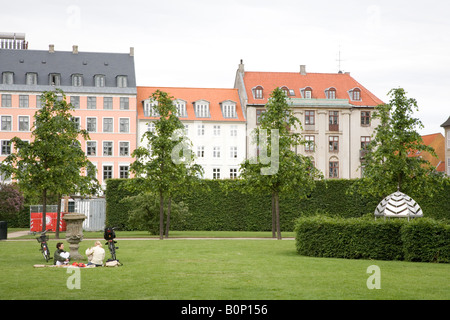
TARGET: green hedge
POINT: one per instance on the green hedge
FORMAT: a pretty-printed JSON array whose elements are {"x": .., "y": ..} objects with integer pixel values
[
  {"x": 212, "y": 208},
  {"x": 422, "y": 239}
]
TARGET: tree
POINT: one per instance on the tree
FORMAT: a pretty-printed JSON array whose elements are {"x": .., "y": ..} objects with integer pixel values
[
  {"x": 166, "y": 164},
  {"x": 282, "y": 169},
  {"x": 390, "y": 163},
  {"x": 53, "y": 162},
  {"x": 11, "y": 200}
]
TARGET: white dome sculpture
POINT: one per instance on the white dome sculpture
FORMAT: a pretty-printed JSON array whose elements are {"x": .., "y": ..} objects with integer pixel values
[{"x": 398, "y": 205}]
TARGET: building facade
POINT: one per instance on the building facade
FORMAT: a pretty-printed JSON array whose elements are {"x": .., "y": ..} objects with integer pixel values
[
  {"x": 334, "y": 109},
  {"x": 446, "y": 126},
  {"x": 100, "y": 86},
  {"x": 214, "y": 123}
]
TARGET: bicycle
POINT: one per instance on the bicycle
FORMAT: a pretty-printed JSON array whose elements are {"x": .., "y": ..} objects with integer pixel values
[
  {"x": 42, "y": 239},
  {"x": 109, "y": 236}
]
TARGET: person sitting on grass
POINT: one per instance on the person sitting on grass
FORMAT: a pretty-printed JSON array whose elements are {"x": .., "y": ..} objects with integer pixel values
[
  {"x": 61, "y": 257},
  {"x": 96, "y": 254}
]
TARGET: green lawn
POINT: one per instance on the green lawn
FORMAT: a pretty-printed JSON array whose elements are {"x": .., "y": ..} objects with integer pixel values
[{"x": 216, "y": 270}]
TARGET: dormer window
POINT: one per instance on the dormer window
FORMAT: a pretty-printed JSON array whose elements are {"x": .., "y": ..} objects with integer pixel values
[
  {"x": 150, "y": 108},
  {"x": 306, "y": 93},
  {"x": 229, "y": 109},
  {"x": 8, "y": 77},
  {"x": 77, "y": 80},
  {"x": 31, "y": 78},
  {"x": 330, "y": 93},
  {"x": 181, "y": 108},
  {"x": 258, "y": 92},
  {"x": 201, "y": 108},
  {"x": 355, "y": 94},
  {"x": 54, "y": 79},
  {"x": 122, "y": 81},
  {"x": 99, "y": 80},
  {"x": 286, "y": 91}
]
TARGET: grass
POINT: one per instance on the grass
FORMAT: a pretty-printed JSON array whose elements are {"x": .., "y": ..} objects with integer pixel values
[{"x": 217, "y": 269}]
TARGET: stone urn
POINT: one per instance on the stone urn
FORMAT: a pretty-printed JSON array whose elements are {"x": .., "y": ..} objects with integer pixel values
[{"x": 74, "y": 233}]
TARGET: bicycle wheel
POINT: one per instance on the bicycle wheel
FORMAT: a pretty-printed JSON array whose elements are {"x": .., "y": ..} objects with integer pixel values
[
  {"x": 45, "y": 253},
  {"x": 112, "y": 249}
]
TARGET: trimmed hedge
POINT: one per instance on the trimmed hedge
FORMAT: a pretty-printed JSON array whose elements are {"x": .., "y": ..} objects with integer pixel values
[
  {"x": 423, "y": 239},
  {"x": 212, "y": 208}
]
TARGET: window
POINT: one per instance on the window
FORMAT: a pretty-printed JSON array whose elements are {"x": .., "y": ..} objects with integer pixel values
[
  {"x": 365, "y": 118},
  {"x": 364, "y": 143},
  {"x": 23, "y": 101},
  {"x": 6, "y": 123},
  {"x": 6, "y": 100},
  {"x": 124, "y": 103},
  {"x": 107, "y": 103},
  {"x": 201, "y": 151},
  {"x": 216, "y": 130},
  {"x": 92, "y": 102},
  {"x": 310, "y": 118},
  {"x": 216, "y": 152},
  {"x": 286, "y": 91},
  {"x": 306, "y": 93},
  {"x": 334, "y": 169},
  {"x": 77, "y": 80},
  {"x": 355, "y": 94},
  {"x": 108, "y": 125},
  {"x": 91, "y": 124},
  {"x": 258, "y": 92},
  {"x": 39, "y": 102},
  {"x": 124, "y": 148},
  {"x": 331, "y": 93},
  {"x": 150, "y": 109},
  {"x": 99, "y": 80},
  {"x": 6, "y": 147},
  {"x": 124, "y": 125},
  {"x": 233, "y": 131},
  {"x": 8, "y": 78},
  {"x": 91, "y": 148},
  {"x": 122, "y": 81},
  {"x": 202, "y": 109},
  {"x": 124, "y": 172},
  {"x": 75, "y": 102},
  {"x": 24, "y": 123},
  {"x": 216, "y": 173},
  {"x": 31, "y": 78},
  {"x": 77, "y": 122},
  {"x": 181, "y": 108},
  {"x": 233, "y": 152},
  {"x": 151, "y": 126},
  {"x": 259, "y": 113},
  {"x": 229, "y": 110},
  {"x": 233, "y": 173},
  {"x": 310, "y": 143},
  {"x": 54, "y": 79},
  {"x": 333, "y": 143},
  {"x": 107, "y": 172},
  {"x": 107, "y": 148},
  {"x": 201, "y": 130},
  {"x": 333, "y": 121}
]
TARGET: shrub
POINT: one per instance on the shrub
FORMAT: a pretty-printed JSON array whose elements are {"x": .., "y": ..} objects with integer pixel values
[{"x": 426, "y": 240}]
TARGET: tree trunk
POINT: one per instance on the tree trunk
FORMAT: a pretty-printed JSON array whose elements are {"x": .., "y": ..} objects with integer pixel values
[
  {"x": 44, "y": 210},
  {"x": 169, "y": 207},
  {"x": 273, "y": 216},
  {"x": 277, "y": 211},
  {"x": 161, "y": 215},
  {"x": 58, "y": 217}
]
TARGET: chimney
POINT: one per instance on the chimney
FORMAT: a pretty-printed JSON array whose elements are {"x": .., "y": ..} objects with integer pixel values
[
  {"x": 75, "y": 49},
  {"x": 131, "y": 51},
  {"x": 51, "y": 48},
  {"x": 303, "y": 70},
  {"x": 241, "y": 67}
]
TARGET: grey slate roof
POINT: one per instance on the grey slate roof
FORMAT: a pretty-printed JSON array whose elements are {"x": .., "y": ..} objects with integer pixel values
[
  {"x": 66, "y": 64},
  {"x": 446, "y": 123}
]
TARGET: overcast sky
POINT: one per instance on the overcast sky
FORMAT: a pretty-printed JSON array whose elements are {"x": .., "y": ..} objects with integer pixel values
[{"x": 383, "y": 44}]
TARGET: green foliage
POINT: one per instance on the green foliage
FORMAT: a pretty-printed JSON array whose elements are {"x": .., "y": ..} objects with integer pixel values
[
  {"x": 11, "y": 201},
  {"x": 387, "y": 165},
  {"x": 423, "y": 239},
  {"x": 426, "y": 240}
]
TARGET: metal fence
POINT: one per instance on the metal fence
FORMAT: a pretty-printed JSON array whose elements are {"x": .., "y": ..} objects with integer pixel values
[{"x": 93, "y": 209}]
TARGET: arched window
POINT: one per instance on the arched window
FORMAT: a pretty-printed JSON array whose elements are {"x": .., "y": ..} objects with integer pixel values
[
  {"x": 330, "y": 93},
  {"x": 307, "y": 93},
  {"x": 258, "y": 92},
  {"x": 356, "y": 94},
  {"x": 286, "y": 90},
  {"x": 333, "y": 169}
]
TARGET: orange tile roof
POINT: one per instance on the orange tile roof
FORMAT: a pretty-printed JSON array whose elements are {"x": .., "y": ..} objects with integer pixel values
[
  {"x": 318, "y": 82},
  {"x": 212, "y": 95}
]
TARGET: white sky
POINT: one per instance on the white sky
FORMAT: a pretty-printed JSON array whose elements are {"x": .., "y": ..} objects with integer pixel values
[{"x": 199, "y": 43}]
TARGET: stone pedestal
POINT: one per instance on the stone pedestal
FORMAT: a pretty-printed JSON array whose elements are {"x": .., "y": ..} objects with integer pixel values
[{"x": 74, "y": 233}]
